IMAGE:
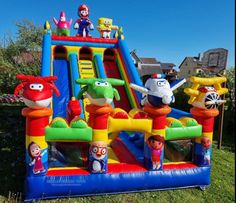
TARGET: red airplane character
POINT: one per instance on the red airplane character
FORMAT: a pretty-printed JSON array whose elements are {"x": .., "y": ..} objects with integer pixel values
[{"x": 36, "y": 90}]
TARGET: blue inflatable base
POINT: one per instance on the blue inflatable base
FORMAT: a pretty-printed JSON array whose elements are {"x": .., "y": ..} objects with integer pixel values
[{"x": 46, "y": 187}]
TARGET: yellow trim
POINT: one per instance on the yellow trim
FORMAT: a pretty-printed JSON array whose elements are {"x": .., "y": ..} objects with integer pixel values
[
  {"x": 117, "y": 125},
  {"x": 100, "y": 135},
  {"x": 159, "y": 132},
  {"x": 65, "y": 168},
  {"x": 39, "y": 140},
  {"x": 180, "y": 162},
  {"x": 209, "y": 135}
]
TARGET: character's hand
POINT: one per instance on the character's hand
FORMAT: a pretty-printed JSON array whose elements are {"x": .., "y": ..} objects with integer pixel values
[
  {"x": 76, "y": 25},
  {"x": 166, "y": 100},
  {"x": 91, "y": 27}
]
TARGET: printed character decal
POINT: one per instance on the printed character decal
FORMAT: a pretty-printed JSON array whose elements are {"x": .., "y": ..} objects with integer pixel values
[
  {"x": 35, "y": 154},
  {"x": 206, "y": 149},
  {"x": 98, "y": 157},
  {"x": 156, "y": 143}
]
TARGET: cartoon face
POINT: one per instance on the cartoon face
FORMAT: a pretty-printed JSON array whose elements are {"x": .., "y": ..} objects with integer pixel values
[
  {"x": 107, "y": 22},
  {"x": 158, "y": 87},
  {"x": 36, "y": 86},
  {"x": 98, "y": 151},
  {"x": 63, "y": 18},
  {"x": 101, "y": 84},
  {"x": 84, "y": 13},
  {"x": 35, "y": 150},
  {"x": 206, "y": 142},
  {"x": 155, "y": 144}
]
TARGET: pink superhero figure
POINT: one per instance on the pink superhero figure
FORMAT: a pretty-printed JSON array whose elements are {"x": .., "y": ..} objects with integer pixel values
[
  {"x": 83, "y": 23},
  {"x": 63, "y": 26},
  {"x": 36, "y": 156},
  {"x": 156, "y": 143}
]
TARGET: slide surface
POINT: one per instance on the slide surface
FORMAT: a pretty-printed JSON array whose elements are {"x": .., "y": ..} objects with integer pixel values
[
  {"x": 112, "y": 71},
  {"x": 62, "y": 71}
]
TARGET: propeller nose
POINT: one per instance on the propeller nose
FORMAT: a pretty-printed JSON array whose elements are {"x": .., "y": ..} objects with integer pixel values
[{"x": 213, "y": 100}]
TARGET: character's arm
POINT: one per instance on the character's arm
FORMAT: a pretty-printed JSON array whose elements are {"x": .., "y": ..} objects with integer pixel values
[
  {"x": 114, "y": 27},
  {"x": 98, "y": 28},
  {"x": 43, "y": 152},
  {"x": 91, "y": 27},
  {"x": 139, "y": 88},
  {"x": 76, "y": 25},
  {"x": 116, "y": 94},
  {"x": 177, "y": 83},
  {"x": 82, "y": 91},
  {"x": 55, "y": 21},
  {"x": 70, "y": 21},
  {"x": 32, "y": 163}
]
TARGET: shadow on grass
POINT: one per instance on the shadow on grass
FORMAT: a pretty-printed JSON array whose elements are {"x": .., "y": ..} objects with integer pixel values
[{"x": 12, "y": 149}]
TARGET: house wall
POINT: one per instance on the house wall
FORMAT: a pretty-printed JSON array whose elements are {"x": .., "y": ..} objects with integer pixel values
[{"x": 188, "y": 68}]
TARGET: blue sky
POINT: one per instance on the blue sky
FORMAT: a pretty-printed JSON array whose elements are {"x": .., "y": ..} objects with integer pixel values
[{"x": 168, "y": 30}]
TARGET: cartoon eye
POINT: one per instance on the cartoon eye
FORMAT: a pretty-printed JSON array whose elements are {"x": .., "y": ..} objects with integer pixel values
[
  {"x": 159, "y": 83},
  {"x": 97, "y": 83},
  {"x": 104, "y": 150},
  {"x": 36, "y": 86},
  {"x": 210, "y": 88},
  {"x": 94, "y": 149},
  {"x": 106, "y": 84}
]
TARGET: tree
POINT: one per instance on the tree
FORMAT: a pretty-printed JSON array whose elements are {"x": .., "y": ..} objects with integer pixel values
[{"x": 14, "y": 58}]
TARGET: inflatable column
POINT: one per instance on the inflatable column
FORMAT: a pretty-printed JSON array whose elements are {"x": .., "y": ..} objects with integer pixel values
[
  {"x": 154, "y": 142},
  {"x": 203, "y": 145},
  {"x": 98, "y": 150},
  {"x": 36, "y": 146}
]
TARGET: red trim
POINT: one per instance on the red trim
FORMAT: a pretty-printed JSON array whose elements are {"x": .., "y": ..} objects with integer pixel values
[
  {"x": 125, "y": 168},
  {"x": 118, "y": 168},
  {"x": 84, "y": 39},
  {"x": 122, "y": 153},
  {"x": 179, "y": 166}
]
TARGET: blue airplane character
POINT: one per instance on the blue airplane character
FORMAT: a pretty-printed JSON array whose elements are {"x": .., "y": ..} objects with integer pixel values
[{"x": 157, "y": 91}]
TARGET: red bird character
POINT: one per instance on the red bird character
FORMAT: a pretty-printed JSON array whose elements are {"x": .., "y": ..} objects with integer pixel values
[{"x": 36, "y": 90}]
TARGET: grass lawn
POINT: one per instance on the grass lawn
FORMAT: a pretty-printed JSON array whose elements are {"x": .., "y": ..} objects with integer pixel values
[{"x": 222, "y": 188}]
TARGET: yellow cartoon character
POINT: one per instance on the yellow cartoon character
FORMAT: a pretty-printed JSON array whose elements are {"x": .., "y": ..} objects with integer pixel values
[{"x": 105, "y": 27}]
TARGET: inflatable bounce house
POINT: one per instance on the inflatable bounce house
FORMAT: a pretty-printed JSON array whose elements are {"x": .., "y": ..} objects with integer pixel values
[{"x": 93, "y": 128}]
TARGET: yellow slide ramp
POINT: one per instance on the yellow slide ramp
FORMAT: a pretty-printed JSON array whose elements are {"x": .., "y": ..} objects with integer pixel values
[{"x": 86, "y": 70}]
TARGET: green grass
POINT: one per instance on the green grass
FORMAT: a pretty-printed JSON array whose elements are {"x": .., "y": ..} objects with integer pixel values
[{"x": 12, "y": 171}]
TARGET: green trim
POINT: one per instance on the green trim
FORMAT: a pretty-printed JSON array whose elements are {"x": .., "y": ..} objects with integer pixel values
[
  {"x": 183, "y": 132},
  {"x": 68, "y": 134}
]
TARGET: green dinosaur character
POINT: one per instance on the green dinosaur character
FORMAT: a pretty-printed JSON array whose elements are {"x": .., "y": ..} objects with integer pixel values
[{"x": 100, "y": 91}]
